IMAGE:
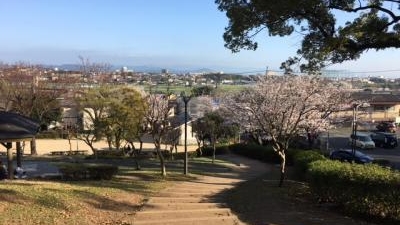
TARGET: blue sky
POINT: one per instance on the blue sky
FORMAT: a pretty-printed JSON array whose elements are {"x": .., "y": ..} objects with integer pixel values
[{"x": 162, "y": 33}]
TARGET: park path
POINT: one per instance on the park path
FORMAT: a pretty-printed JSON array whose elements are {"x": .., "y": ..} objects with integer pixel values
[{"x": 197, "y": 202}]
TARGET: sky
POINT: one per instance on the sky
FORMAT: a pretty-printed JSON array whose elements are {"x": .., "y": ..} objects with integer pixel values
[{"x": 171, "y": 34}]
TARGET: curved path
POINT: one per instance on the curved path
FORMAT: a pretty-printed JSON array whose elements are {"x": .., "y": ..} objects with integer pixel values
[{"x": 197, "y": 202}]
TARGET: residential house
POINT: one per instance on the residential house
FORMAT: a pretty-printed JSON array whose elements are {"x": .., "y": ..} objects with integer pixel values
[{"x": 382, "y": 106}]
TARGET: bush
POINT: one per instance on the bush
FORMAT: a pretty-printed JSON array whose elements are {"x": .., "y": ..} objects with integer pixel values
[
  {"x": 382, "y": 162},
  {"x": 263, "y": 153},
  {"x": 107, "y": 154},
  {"x": 101, "y": 171},
  {"x": 119, "y": 152},
  {"x": 208, "y": 150},
  {"x": 302, "y": 160},
  {"x": 181, "y": 155},
  {"x": 79, "y": 171},
  {"x": 50, "y": 134},
  {"x": 368, "y": 190}
]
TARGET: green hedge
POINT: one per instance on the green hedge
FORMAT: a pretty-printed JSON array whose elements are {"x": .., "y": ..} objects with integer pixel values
[
  {"x": 181, "y": 155},
  {"x": 302, "y": 160},
  {"x": 368, "y": 190},
  {"x": 208, "y": 150},
  {"x": 263, "y": 153},
  {"x": 101, "y": 171},
  {"x": 48, "y": 135},
  {"x": 80, "y": 171}
]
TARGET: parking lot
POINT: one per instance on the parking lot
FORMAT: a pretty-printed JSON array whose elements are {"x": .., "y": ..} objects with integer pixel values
[{"x": 339, "y": 139}]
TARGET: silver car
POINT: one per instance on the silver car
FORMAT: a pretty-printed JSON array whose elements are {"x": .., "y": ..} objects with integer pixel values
[{"x": 363, "y": 141}]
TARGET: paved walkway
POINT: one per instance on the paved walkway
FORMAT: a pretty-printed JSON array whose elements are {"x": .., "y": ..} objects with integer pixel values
[{"x": 197, "y": 202}]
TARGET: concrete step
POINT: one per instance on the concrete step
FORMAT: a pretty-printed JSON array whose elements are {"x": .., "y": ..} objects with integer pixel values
[
  {"x": 186, "y": 194},
  {"x": 222, "y": 220},
  {"x": 178, "y": 200},
  {"x": 194, "y": 188},
  {"x": 181, "y": 214},
  {"x": 179, "y": 206},
  {"x": 207, "y": 182}
]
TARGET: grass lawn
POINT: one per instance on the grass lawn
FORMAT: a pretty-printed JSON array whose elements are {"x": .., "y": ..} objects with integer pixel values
[
  {"x": 80, "y": 202},
  {"x": 258, "y": 201},
  {"x": 91, "y": 202}
]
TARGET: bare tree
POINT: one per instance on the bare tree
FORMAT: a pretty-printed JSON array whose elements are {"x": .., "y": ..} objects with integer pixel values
[
  {"x": 25, "y": 93},
  {"x": 93, "y": 104},
  {"x": 200, "y": 129},
  {"x": 158, "y": 122},
  {"x": 94, "y": 72},
  {"x": 173, "y": 134},
  {"x": 283, "y": 106}
]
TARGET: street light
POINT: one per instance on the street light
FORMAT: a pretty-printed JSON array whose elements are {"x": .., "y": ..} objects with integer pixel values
[
  {"x": 186, "y": 99},
  {"x": 354, "y": 128}
]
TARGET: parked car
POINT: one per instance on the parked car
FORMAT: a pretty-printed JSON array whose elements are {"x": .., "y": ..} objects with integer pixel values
[
  {"x": 385, "y": 140},
  {"x": 386, "y": 126},
  {"x": 362, "y": 140},
  {"x": 346, "y": 155}
]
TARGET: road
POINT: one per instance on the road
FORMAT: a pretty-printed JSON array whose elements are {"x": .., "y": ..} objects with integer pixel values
[{"x": 339, "y": 139}]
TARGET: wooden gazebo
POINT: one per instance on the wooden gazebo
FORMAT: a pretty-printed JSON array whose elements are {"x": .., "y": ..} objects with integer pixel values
[{"x": 15, "y": 128}]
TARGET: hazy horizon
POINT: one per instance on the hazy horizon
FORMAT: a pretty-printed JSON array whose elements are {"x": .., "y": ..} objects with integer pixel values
[{"x": 166, "y": 34}]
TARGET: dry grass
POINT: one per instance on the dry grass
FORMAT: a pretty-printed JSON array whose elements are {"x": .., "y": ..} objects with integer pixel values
[
  {"x": 88, "y": 202},
  {"x": 79, "y": 202}
]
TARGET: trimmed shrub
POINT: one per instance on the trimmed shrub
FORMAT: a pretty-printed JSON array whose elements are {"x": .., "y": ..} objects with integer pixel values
[
  {"x": 52, "y": 134},
  {"x": 368, "y": 190},
  {"x": 263, "y": 153},
  {"x": 219, "y": 150},
  {"x": 101, "y": 171},
  {"x": 110, "y": 153},
  {"x": 79, "y": 171},
  {"x": 181, "y": 155},
  {"x": 72, "y": 171},
  {"x": 382, "y": 162},
  {"x": 302, "y": 160}
]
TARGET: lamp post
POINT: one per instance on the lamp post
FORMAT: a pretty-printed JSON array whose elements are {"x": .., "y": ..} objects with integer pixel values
[
  {"x": 354, "y": 128},
  {"x": 186, "y": 99}
]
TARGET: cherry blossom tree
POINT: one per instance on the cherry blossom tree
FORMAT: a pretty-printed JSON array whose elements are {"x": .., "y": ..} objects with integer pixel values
[
  {"x": 158, "y": 123},
  {"x": 283, "y": 106}
]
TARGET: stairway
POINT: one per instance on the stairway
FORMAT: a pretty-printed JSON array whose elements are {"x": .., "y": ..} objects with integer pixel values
[{"x": 189, "y": 203}]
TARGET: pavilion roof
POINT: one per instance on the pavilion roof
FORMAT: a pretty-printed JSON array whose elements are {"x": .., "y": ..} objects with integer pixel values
[{"x": 15, "y": 127}]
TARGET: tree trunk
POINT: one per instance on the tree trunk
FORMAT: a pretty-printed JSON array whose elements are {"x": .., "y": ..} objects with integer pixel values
[
  {"x": 109, "y": 144},
  {"x": 162, "y": 161},
  {"x": 310, "y": 137},
  {"x": 70, "y": 144},
  {"x": 33, "y": 146},
  {"x": 171, "y": 150},
  {"x": 198, "y": 145},
  {"x": 135, "y": 155},
  {"x": 282, "y": 167},
  {"x": 213, "y": 157},
  {"x": 89, "y": 143},
  {"x": 140, "y": 146}
]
